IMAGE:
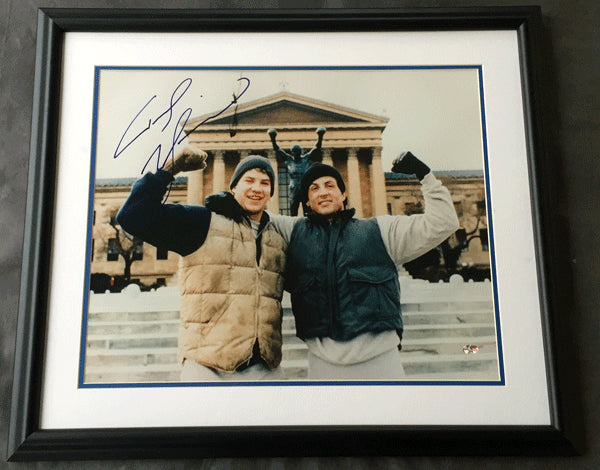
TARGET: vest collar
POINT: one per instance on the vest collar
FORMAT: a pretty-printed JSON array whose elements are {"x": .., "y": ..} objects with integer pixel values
[
  {"x": 343, "y": 215},
  {"x": 224, "y": 203}
]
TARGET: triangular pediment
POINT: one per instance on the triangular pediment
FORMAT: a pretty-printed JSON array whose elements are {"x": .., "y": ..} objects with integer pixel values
[{"x": 288, "y": 109}]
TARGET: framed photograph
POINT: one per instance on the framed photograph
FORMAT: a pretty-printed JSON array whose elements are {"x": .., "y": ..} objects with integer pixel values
[{"x": 112, "y": 358}]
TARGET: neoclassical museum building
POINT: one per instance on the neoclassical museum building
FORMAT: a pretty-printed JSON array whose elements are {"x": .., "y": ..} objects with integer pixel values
[{"x": 352, "y": 144}]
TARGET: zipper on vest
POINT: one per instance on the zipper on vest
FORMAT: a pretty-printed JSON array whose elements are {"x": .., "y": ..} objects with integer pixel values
[
  {"x": 259, "y": 272},
  {"x": 333, "y": 236}
]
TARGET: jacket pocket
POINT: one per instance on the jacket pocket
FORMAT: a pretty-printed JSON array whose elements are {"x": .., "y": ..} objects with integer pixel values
[{"x": 374, "y": 291}]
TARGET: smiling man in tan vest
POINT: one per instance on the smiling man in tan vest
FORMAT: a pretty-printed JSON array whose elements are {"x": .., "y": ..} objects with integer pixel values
[{"x": 231, "y": 268}]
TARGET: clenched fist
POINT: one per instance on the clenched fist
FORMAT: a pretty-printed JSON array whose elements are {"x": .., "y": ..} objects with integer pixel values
[
  {"x": 189, "y": 158},
  {"x": 408, "y": 164}
]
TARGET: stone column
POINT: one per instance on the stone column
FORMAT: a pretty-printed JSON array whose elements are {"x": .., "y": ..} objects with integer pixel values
[
  {"x": 378, "y": 184},
  {"x": 273, "y": 205},
  {"x": 242, "y": 154},
  {"x": 353, "y": 184},
  {"x": 195, "y": 189},
  {"x": 219, "y": 172},
  {"x": 327, "y": 157}
]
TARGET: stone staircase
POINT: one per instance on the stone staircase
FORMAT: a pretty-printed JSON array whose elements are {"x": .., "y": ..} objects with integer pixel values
[
  {"x": 295, "y": 353},
  {"x": 131, "y": 339},
  {"x": 132, "y": 346},
  {"x": 436, "y": 336}
]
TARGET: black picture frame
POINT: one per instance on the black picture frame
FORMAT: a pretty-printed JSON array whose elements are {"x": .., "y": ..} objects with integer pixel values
[{"x": 27, "y": 441}]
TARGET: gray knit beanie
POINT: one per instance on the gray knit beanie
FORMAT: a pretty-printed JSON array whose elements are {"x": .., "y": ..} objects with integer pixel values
[{"x": 316, "y": 171}]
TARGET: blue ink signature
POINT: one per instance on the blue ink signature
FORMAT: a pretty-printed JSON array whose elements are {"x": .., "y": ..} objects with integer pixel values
[{"x": 178, "y": 130}]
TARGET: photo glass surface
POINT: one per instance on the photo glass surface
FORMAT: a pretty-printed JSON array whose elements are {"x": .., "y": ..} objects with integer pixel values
[{"x": 144, "y": 115}]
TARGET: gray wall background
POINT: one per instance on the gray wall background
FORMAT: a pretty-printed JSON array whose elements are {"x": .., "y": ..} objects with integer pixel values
[{"x": 572, "y": 39}]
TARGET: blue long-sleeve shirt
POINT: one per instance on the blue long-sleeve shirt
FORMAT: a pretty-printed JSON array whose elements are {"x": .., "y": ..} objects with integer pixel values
[{"x": 175, "y": 227}]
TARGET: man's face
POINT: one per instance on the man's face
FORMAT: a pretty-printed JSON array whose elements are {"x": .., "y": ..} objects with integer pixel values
[
  {"x": 252, "y": 192},
  {"x": 325, "y": 197}
]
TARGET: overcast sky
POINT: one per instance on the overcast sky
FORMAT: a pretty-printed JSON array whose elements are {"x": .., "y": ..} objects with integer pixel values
[{"x": 435, "y": 113}]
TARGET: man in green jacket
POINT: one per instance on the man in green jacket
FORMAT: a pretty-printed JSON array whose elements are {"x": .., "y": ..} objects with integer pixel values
[{"x": 343, "y": 272}]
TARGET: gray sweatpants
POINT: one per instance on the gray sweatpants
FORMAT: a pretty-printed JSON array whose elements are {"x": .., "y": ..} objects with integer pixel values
[{"x": 386, "y": 366}]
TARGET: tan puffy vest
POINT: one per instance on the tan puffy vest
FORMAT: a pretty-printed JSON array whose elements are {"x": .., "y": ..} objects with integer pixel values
[{"x": 228, "y": 302}]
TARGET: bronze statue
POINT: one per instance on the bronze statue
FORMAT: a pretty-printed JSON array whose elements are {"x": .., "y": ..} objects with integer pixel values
[{"x": 296, "y": 164}]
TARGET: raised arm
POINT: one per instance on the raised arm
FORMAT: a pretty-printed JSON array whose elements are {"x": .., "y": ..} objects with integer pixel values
[
  {"x": 282, "y": 154},
  {"x": 407, "y": 237},
  {"x": 320, "y": 133},
  {"x": 317, "y": 148},
  {"x": 175, "y": 227},
  {"x": 273, "y": 135}
]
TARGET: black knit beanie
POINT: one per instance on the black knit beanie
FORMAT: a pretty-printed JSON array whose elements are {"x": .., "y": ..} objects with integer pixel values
[
  {"x": 315, "y": 171},
  {"x": 250, "y": 162}
]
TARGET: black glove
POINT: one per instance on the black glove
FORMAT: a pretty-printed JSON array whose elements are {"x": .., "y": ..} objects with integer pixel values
[{"x": 408, "y": 164}]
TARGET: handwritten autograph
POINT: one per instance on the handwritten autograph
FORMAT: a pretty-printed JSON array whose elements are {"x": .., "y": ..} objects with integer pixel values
[{"x": 127, "y": 139}]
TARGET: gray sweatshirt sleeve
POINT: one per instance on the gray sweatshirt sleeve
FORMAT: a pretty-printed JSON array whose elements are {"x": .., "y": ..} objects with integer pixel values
[
  {"x": 284, "y": 224},
  {"x": 408, "y": 237}
]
